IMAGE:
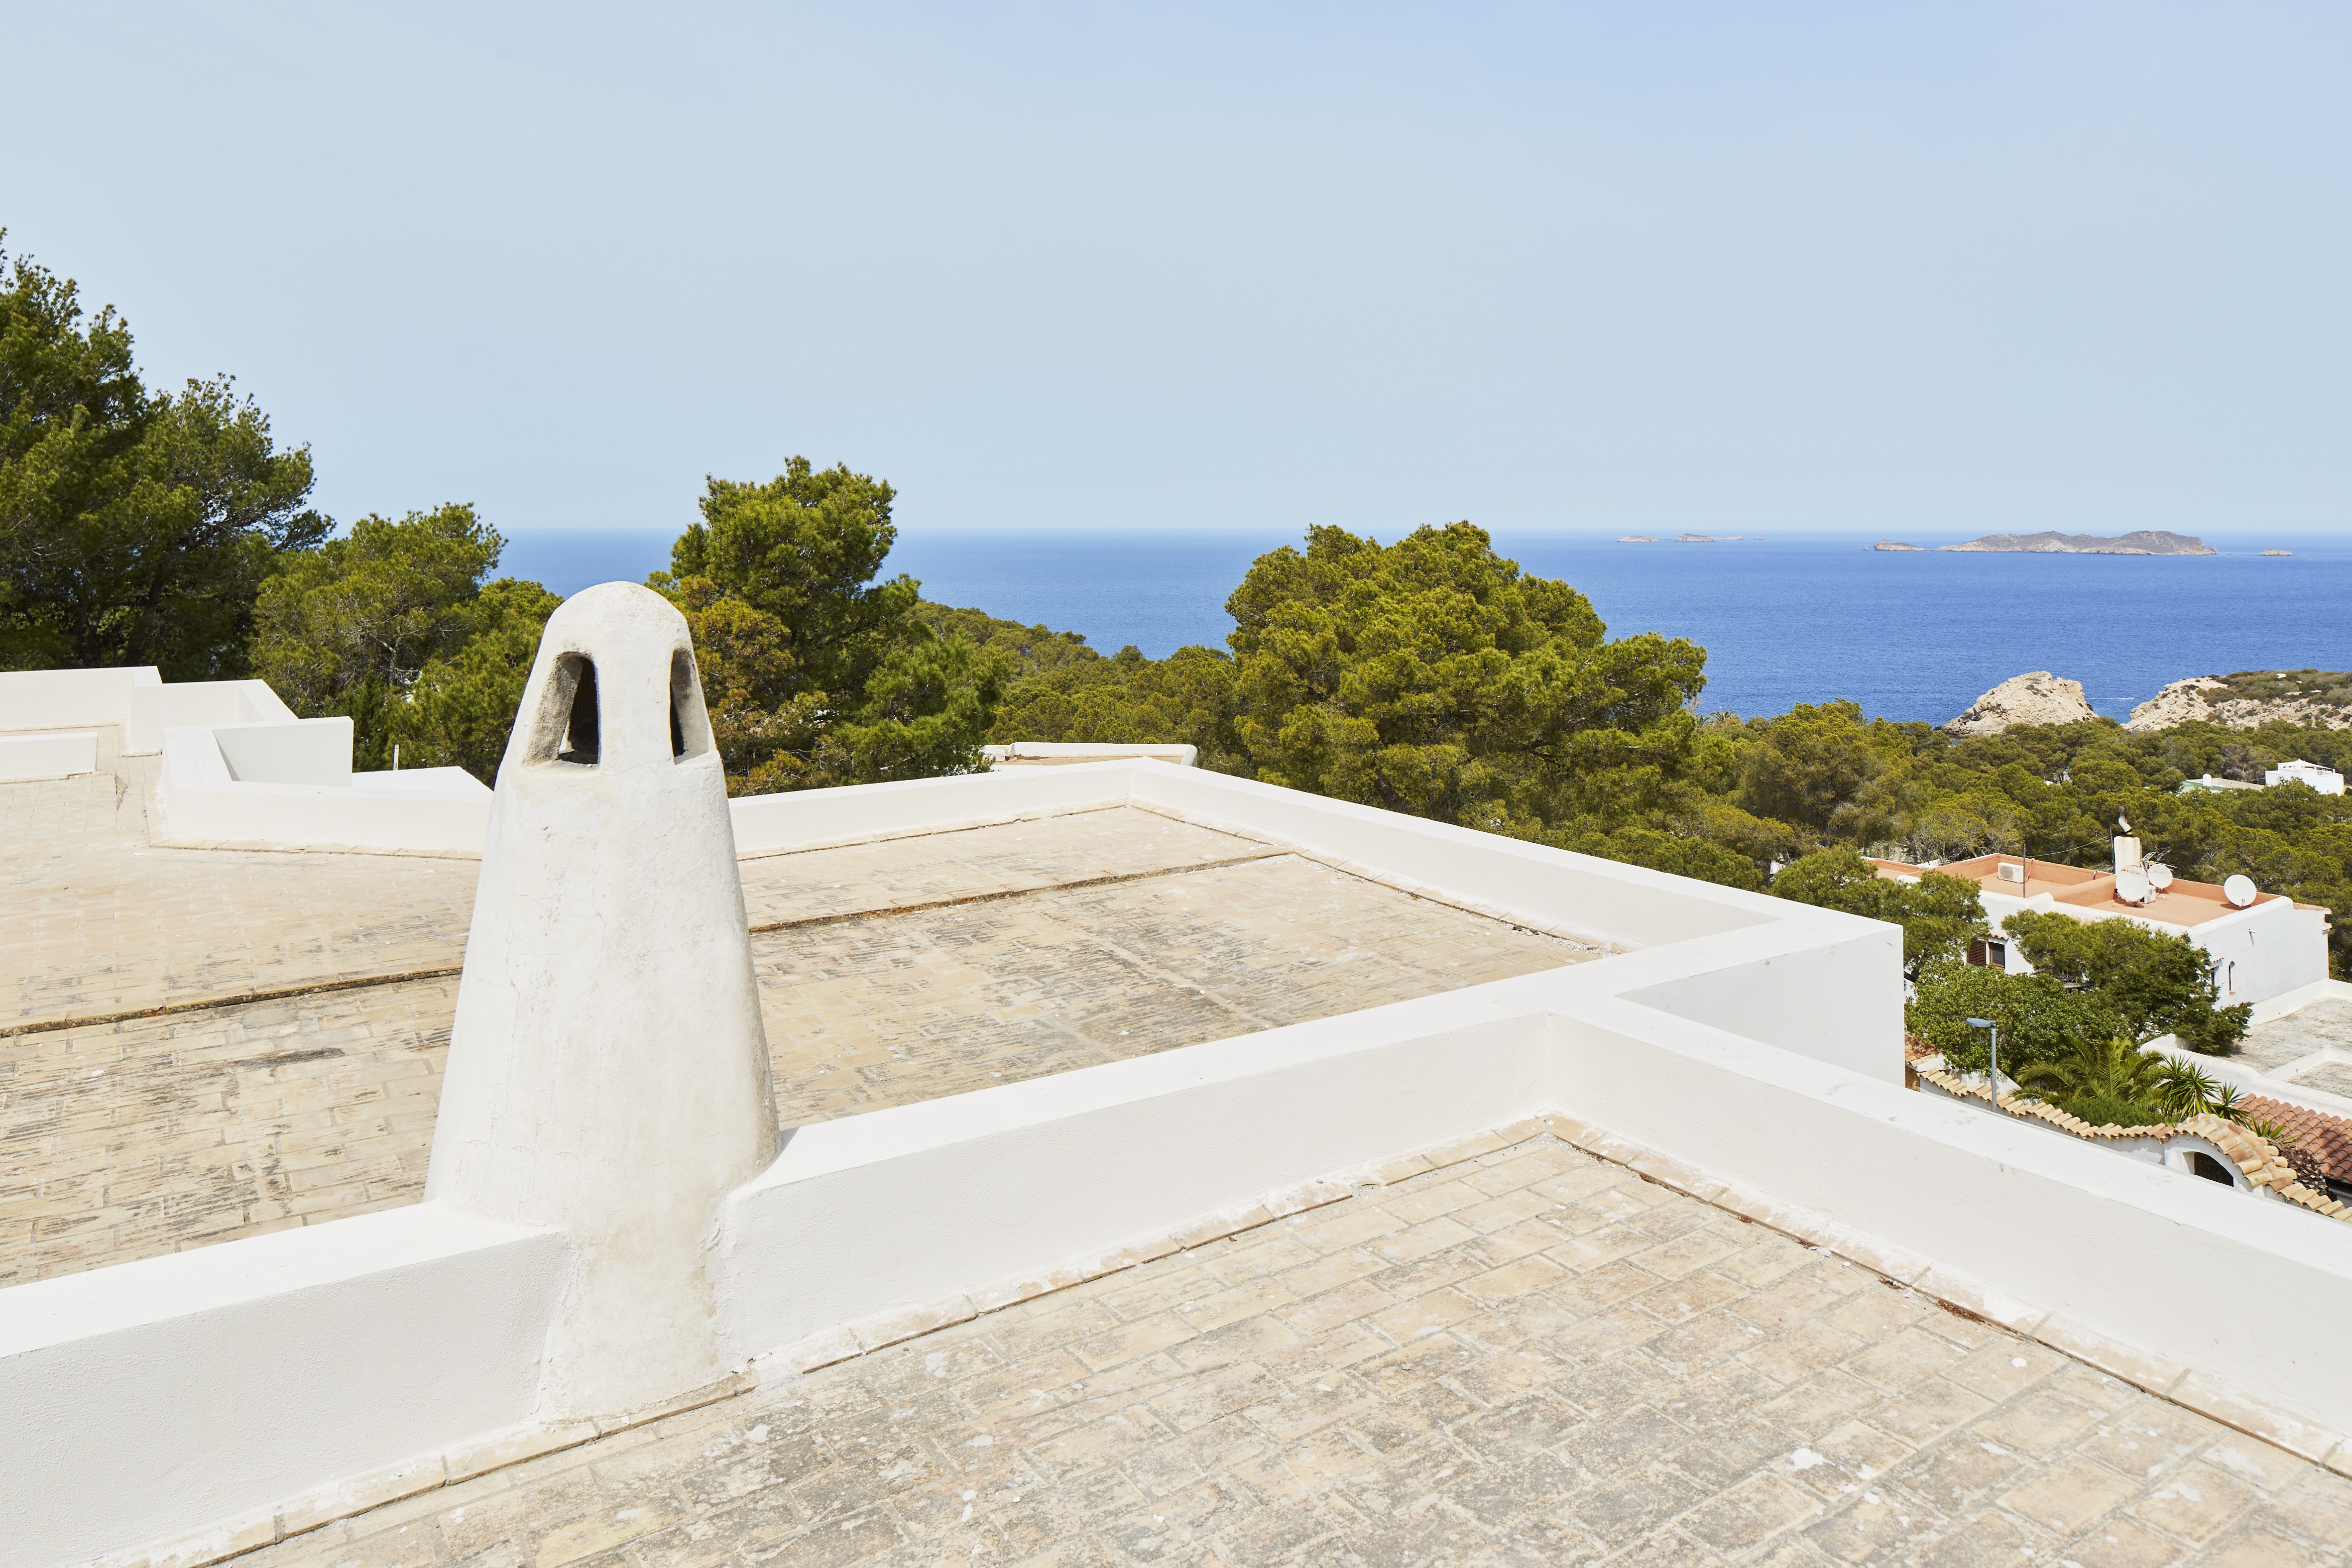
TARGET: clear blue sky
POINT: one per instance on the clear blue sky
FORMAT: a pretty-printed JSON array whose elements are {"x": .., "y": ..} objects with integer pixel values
[{"x": 1896, "y": 268}]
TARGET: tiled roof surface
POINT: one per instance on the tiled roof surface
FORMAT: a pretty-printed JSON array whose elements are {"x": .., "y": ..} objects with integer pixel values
[
  {"x": 2327, "y": 1137},
  {"x": 2255, "y": 1157}
]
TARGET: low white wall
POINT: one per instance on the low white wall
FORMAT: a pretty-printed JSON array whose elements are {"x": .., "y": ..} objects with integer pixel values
[
  {"x": 2149, "y": 1258},
  {"x": 1087, "y": 751},
  {"x": 202, "y": 801},
  {"x": 152, "y": 1398},
  {"x": 1548, "y": 888},
  {"x": 47, "y": 754},
  {"x": 69, "y": 699},
  {"x": 807, "y": 818},
  {"x": 302, "y": 751},
  {"x": 902, "y": 1206},
  {"x": 156, "y": 708}
]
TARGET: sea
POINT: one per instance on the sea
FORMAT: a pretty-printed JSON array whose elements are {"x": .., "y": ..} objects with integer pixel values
[{"x": 1785, "y": 619}]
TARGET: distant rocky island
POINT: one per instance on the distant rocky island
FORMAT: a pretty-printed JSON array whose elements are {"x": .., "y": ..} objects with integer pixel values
[
  {"x": 1637, "y": 539},
  {"x": 2146, "y": 541},
  {"x": 2278, "y": 552},
  {"x": 1892, "y": 544}
]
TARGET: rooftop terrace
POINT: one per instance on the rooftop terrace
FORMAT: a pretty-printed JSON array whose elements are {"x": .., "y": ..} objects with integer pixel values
[
  {"x": 1110, "y": 1228},
  {"x": 891, "y": 971},
  {"x": 1535, "y": 1357}
]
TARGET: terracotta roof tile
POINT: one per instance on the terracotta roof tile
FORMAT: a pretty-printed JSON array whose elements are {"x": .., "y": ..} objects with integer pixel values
[{"x": 2328, "y": 1137}]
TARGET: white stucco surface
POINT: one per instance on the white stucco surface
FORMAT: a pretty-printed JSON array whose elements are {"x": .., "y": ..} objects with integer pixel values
[
  {"x": 152, "y": 1398},
  {"x": 47, "y": 754},
  {"x": 607, "y": 1072}
]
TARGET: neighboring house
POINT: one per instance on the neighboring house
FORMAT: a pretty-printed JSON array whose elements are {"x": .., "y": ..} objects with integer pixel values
[
  {"x": 2209, "y": 1147},
  {"x": 2265, "y": 949},
  {"x": 2325, "y": 780}
]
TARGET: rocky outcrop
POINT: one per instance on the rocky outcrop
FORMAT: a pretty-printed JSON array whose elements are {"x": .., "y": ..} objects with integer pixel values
[
  {"x": 2146, "y": 541},
  {"x": 2036, "y": 697},
  {"x": 1892, "y": 544},
  {"x": 2249, "y": 701},
  {"x": 2182, "y": 702}
]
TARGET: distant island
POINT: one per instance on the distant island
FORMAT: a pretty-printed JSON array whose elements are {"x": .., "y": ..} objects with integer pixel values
[
  {"x": 1704, "y": 539},
  {"x": 2278, "y": 552},
  {"x": 2146, "y": 541},
  {"x": 1637, "y": 539},
  {"x": 1892, "y": 544}
]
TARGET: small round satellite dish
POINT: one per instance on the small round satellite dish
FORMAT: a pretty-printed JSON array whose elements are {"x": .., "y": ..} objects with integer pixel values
[
  {"x": 2160, "y": 877},
  {"x": 2131, "y": 887},
  {"x": 2240, "y": 891}
]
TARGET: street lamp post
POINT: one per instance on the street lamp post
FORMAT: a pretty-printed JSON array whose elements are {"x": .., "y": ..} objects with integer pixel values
[{"x": 1992, "y": 1031}]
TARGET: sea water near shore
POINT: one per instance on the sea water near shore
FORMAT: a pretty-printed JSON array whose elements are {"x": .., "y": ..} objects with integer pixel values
[{"x": 1787, "y": 619}]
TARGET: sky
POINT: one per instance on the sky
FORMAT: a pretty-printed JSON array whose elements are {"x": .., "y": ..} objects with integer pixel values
[{"x": 1895, "y": 270}]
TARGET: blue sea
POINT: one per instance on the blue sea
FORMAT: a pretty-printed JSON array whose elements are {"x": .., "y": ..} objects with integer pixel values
[{"x": 1787, "y": 619}]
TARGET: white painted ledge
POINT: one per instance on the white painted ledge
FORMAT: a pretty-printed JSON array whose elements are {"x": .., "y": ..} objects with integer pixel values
[
  {"x": 47, "y": 754},
  {"x": 150, "y": 1398}
]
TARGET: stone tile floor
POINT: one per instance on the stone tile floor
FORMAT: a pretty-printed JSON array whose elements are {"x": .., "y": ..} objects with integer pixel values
[
  {"x": 1535, "y": 1358},
  {"x": 127, "y": 1139},
  {"x": 875, "y": 1013},
  {"x": 101, "y": 920}
]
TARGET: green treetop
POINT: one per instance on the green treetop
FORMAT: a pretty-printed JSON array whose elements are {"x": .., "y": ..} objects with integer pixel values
[
  {"x": 1431, "y": 676},
  {"x": 135, "y": 528},
  {"x": 814, "y": 671}
]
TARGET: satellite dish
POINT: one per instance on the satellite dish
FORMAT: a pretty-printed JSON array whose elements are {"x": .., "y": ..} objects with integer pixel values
[
  {"x": 2160, "y": 877},
  {"x": 2241, "y": 891},
  {"x": 2131, "y": 887}
]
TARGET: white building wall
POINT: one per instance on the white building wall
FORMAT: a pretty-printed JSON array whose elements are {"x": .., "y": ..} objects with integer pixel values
[{"x": 2266, "y": 951}]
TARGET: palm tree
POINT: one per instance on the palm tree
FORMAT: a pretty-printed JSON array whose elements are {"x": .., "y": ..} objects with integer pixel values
[{"x": 2109, "y": 1082}]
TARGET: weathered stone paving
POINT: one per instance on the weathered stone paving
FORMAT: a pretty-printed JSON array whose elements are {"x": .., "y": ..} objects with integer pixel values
[
  {"x": 1536, "y": 1358},
  {"x": 128, "y": 1139},
  {"x": 101, "y": 920},
  {"x": 976, "y": 863},
  {"x": 877, "y": 1012}
]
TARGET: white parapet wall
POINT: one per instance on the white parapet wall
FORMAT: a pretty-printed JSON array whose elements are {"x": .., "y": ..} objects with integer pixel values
[
  {"x": 47, "y": 754},
  {"x": 289, "y": 785},
  {"x": 133, "y": 697},
  {"x": 209, "y": 1387},
  {"x": 1753, "y": 1042},
  {"x": 71, "y": 699},
  {"x": 1060, "y": 753}
]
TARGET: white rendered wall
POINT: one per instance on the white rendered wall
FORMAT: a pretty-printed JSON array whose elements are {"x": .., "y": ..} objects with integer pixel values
[
  {"x": 202, "y": 801},
  {"x": 47, "y": 754},
  {"x": 156, "y": 708},
  {"x": 152, "y": 1398},
  {"x": 302, "y": 751},
  {"x": 69, "y": 699},
  {"x": 2276, "y": 947},
  {"x": 2155, "y": 1259},
  {"x": 908, "y": 1204}
]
